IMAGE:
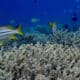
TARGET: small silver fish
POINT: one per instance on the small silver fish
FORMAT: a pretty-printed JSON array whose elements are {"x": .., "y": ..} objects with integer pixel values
[
  {"x": 12, "y": 21},
  {"x": 35, "y": 20},
  {"x": 8, "y": 33}
]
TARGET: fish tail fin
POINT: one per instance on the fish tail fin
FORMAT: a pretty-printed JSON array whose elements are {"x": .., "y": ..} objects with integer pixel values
[{"x": 19, "y": 29}]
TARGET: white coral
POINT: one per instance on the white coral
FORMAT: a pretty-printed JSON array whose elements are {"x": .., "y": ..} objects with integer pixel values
[{"x": 40, "y": 60}]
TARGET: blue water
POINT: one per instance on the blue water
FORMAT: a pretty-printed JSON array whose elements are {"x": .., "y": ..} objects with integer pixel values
[
  {"x": 22, "y": 11},
  {"x": 46, "y": 10}
]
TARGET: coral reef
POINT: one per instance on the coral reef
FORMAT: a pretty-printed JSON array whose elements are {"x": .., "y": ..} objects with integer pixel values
[
  {"x": 40, "y": 62},
  {"x": 59, "y": 36},
  {"x": 42, "y": 56},
  {"x": 65, "y": 38}
]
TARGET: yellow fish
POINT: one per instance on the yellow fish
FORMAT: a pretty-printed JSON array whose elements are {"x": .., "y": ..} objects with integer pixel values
[
  {"x": 8, "y": 33},
  {"x": 53, "y": 26}
]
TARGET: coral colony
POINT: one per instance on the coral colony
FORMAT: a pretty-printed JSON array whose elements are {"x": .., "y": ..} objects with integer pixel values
[
  {"x": 56, "y": 59},
  {"x": 38, "y": 62}
]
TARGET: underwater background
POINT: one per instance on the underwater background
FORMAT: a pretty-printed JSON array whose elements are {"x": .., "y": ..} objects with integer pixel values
[
  {"x": 35, "y": 17},
  {"x": 46, "y": 40},
  {"x": 21, "y": 11}
]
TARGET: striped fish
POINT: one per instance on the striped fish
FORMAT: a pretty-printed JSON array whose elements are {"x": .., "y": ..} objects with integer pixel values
[{"x": 8, "y": 33}]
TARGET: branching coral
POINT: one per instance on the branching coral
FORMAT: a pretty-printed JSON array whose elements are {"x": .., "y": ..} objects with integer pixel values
[
  {"x": 54, "y": 57},
  {"x": 40, "y": 61},
  {"x": 65, "y": 38}
]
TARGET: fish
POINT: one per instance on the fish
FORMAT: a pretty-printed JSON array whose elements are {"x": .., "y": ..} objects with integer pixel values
[
  {"x": 11, "y": 21},
  {"x": 9, "y": 33},
  {"x": 34, "y": 20},
  {"x": 53, "y": 26}
]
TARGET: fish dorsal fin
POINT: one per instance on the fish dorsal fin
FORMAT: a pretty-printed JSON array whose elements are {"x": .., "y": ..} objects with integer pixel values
[
  {"x": 10, "y": 27},
  {"x": 12, "y": 37},
  {"x": 7, "y": 27}
]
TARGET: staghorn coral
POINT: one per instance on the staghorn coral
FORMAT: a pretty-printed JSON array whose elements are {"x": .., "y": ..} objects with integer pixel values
[
  {"x": 66, "y": 38},
  {"x": 40, "y": 62},
  {"x": 63, "y": 37}
]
